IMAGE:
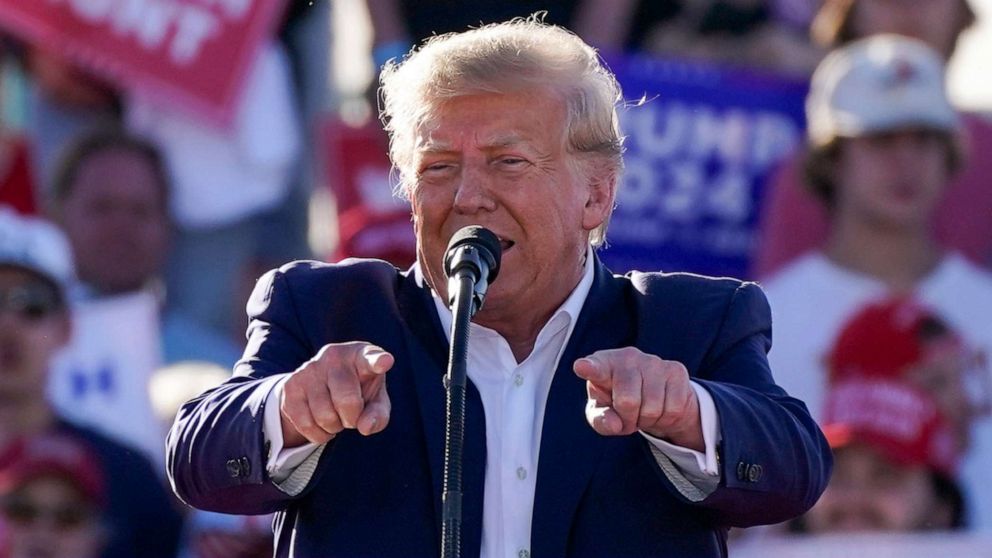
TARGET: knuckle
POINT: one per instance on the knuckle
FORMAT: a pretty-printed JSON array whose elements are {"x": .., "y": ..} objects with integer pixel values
[
  {"x": 302, "y": 422},
  {"x": 348, "y": 401},
  {"x": 675, "y": 368},
  {"x": 651, "y": 413},
  {"x": 329, "y": 425},
  {"x": 626, "y": 402},
  {"x": 668, "y": 421},
  {"x": 629, "y": 354}
]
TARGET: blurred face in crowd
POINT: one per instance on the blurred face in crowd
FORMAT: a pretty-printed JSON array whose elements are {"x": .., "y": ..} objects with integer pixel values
[
  {"x": 867, "y": 492},
  {"x": 33, "y": 327},
  {"x": 936, "y": 22},
  {"x": 115, "y": 217},
  {"x": 501, "y": 161},
  {"x": 892, "y": 179},
  {"x": 49, "y": 518}
]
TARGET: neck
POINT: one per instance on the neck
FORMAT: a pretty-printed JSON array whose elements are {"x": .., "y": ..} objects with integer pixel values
[
  {"x": 898, "y": 256},
  {"x": 24, "y": 420},
  {"x": 520, "y": 329},
  {"x": 522, "y": 333}
]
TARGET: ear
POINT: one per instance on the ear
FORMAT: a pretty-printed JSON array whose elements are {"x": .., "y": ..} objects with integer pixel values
[{"x": 602, "y": 191}]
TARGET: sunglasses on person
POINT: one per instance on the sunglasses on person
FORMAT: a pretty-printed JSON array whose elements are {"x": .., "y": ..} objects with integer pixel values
[
  {"x": 32, "y": 302},
  {"x": 22, "y": 511}
]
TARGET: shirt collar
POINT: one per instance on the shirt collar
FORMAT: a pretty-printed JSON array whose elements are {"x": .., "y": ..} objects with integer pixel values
[{"x": 569, "y": 309}]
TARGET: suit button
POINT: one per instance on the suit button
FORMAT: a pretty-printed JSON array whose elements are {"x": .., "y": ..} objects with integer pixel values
[
  {"x": 742, "y": 471},
  {"x": 754, "y": 473},
  {"x": 234, "y": 468},
  {"x": 245, "y": 466}
]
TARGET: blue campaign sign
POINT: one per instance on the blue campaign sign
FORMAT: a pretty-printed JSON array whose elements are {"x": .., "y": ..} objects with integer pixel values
[{"x": 699, "y": 149}]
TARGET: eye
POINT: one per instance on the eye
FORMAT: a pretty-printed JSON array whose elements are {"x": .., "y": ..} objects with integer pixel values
[
  {"x": 434, "y": 169},
  {"x": 512, "y": 162}
]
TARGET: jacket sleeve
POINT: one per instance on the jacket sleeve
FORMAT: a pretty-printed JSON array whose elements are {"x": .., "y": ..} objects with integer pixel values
[
  {"x": 216, "y": 452},
  {"x": 774, "y": 460}
]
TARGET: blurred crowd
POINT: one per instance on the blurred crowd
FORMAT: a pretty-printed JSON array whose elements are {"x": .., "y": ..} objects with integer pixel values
[{"x": 131, "y": 232}]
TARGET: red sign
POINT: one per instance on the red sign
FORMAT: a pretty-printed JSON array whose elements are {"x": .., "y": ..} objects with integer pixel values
[
  {"x": 193, "y": 52},
  {"x": 372, "y": 221}
]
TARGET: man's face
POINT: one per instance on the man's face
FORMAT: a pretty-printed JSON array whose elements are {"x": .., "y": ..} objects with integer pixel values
[
  {"x": 49, "y": 518},
  {"x": 116, "y": 221},
  {"x": 934, "y": 22},
  {"x": 500, "y": 161},
  {"x": 33, "y": 327},
  {"x": 868, "y": 493},
  {"x": 892, "y": 179}
]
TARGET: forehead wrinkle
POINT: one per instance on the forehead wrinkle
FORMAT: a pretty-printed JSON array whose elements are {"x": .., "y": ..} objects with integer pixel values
[{"x": 428, "y": 145}]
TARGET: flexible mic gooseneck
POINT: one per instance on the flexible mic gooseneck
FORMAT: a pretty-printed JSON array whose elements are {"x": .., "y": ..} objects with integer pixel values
[{"x": 471, "y": 263}]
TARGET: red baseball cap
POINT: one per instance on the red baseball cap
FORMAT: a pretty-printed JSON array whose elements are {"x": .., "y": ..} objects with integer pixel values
[
  {"x": 52, "y": 455},
  {"x": 894, "y": 417},
  {"x": 869, "y": 399},
  {"x": 884, "y": 339}
]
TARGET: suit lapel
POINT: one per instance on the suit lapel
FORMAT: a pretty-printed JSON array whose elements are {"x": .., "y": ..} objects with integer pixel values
[
  {"x": 570, "y": 449},
  {"x": 427, "y": 348}
]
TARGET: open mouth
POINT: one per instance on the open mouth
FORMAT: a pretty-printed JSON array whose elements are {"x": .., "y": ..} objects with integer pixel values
[{"x": 505, "y": 244}]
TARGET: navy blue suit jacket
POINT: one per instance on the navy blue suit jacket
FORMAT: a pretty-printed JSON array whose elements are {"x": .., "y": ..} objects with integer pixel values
[{"x": 597, "y": 496}]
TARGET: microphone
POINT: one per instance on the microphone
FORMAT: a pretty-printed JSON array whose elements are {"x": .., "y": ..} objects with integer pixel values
[
  {"x": 473, "y": 252},
  {"x": 471, "y": 262}
]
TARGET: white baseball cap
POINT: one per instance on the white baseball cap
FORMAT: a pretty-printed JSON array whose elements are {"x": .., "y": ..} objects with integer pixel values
[
  {"x": 35, "y": 245},
  {"x": 878, "y": 84}
]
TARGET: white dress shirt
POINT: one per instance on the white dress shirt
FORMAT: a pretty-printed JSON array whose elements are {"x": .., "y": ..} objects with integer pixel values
[{"x": 514, "y": 396}]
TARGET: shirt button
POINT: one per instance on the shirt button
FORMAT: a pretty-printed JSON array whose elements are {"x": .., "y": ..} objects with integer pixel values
[
  {"x": 521, "y": 473},
  {"x": 523, "y": 553},
  {"x": 518, "y": 379}
]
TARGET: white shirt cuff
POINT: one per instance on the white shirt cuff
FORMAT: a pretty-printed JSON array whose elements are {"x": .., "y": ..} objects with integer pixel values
[
  {"x": 699, "y": 469},
  {"x": 282, "y": 462}
]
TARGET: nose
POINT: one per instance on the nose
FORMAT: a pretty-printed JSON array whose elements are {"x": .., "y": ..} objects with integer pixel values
[
  {"x": 911, "y": 146},
  {"x": 474, "y": 193}
]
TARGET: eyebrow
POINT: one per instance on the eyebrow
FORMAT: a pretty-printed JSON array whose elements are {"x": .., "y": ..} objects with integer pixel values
[{"x": 432, "y": 146}]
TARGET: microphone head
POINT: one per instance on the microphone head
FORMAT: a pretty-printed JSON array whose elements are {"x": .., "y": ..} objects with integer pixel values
[{"x": 482, "y": 239}]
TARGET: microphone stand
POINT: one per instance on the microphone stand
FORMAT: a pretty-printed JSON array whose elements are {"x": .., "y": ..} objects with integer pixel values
[
  {"x": 471, "y": 262},
  {"x": 454, "y": 436}
]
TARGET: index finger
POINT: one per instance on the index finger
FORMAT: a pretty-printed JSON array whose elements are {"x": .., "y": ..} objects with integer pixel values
[
  {"x": 593, "y": 369},
  {"x": 372, "y": 360}
]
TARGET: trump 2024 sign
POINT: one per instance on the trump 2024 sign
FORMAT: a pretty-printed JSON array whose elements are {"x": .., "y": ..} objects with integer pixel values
[{"x": 700, "y": 148}]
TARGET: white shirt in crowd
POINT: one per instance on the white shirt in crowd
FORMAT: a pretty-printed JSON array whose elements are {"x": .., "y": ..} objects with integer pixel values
[{"x": 813, "y": 298}]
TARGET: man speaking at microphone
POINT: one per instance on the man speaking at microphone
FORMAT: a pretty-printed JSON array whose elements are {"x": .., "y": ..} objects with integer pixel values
[{"x": 605, "y": 415}]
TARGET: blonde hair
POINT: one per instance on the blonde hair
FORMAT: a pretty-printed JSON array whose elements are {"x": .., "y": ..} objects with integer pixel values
[{"x": 518, "y": 55}]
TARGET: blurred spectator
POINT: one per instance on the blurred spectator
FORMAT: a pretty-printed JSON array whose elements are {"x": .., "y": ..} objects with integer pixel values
[
  {"x": 397, "y": 25},
  {"x": 52, "y": 496},
  {"x": 35, "y": 267},
  {"x": 768, "y": 34},
  {"x": 111, "y": 198},
  {"x": 208, "y": 534},
  {"x": 229, "y": 184},
  {"x": 883, "y": 144},
  {"x": 895, "y": 448},
  {"x": 793, "y": 222},
  {"x": 938, "y": 23}
]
